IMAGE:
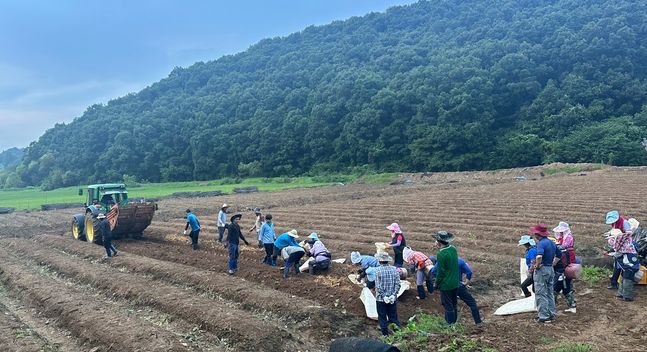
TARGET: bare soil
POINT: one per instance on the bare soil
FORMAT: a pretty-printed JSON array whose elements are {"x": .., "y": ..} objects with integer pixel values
[{"x": 44, "y": 269}]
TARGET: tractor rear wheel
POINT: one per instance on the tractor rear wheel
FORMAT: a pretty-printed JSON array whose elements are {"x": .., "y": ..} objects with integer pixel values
[
  {"x": 78, "y": 223},
  {"x": 92, "y": 232}
]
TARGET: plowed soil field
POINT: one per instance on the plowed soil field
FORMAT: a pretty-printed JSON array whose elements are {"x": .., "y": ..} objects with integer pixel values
[{"x": 56, "y": 294}]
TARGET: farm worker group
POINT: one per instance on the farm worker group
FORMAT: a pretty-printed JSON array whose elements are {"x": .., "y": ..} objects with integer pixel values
[{"x": 444, "y": 272}]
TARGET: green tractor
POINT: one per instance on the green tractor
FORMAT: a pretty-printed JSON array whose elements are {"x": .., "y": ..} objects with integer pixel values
[{"x": 111, "y": 199}]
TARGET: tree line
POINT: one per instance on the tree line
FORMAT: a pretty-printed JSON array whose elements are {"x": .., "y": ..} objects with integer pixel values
[{"x": 433, "y": 86}]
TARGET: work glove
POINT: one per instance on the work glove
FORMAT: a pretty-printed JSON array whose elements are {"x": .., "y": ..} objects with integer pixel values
[
  {"x": 260, "y": 244},
  {"x": 184, "y": 233}
]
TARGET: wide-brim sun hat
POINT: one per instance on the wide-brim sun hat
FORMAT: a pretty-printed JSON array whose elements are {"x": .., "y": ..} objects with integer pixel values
[
  {"x": 224, "y": 206},
  {"x": 236, "y": 216},
  {"x": 443, "y": 236},
  {"x": 313, "y": 236},
  {"x": 615, "y": 233},
  {"x": 394, "y": 227},
  {"x": 355, "y": 257},
  {"x": 526, "y": 239},
  {"x": 293, "y": 233},
  {"x": 383, "y": 257},
  {"x": 562, "y": 227},
  {"x": 406, "y": 252},
  {"x": 612, "y": 217},
  {"x": 539, "y": 229},
  {"x": 634, "y": 223}
]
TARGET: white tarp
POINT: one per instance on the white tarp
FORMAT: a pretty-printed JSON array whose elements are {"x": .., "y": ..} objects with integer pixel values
[
  {"x": 339, "y": 261},
  {"x": 370, "y": 304},
  {"x": 306, "y": 266},
  {"x": 523, "y": 305}
]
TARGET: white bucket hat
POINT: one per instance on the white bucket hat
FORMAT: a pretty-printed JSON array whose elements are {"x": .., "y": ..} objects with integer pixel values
[
  {"x": 293, "y": 233},
  {"x": 634, "y": 223},
  {"x": 562, "y": 227},
  {"x": 406, "y": 252}
]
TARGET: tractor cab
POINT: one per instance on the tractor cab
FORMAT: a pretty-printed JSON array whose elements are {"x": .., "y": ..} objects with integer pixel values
[{"x": 102, "y": 197}]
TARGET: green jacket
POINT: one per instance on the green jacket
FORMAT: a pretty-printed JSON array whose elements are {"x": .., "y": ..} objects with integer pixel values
[{"x": 447, "y": 269}]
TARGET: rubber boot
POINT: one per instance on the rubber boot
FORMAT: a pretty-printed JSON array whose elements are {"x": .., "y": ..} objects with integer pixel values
[
  {"x": 286, "y": 271},
  {"x": 627, "y": 289},
  {"x": 273, "y": 262},
  {"x": 572, "y": 304},
  {"x": 311, "y": 270},
  {"x": 421, "y": 292},
  {"x": 296, "y": 268}
]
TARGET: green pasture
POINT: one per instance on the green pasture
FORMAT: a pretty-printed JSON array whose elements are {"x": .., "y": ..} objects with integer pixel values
[{"x": 33, "y": 197}]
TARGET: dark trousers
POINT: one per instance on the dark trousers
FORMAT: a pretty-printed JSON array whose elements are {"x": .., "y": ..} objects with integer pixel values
[
  {"x": 221, "y": 231},
  {"x": 564, "y": 286},
  {"x": 449, "y": 299},
  {"x": 399, "y": 259},
  {"x": 107, "y": 244},
  {"x": 194, "y": 239},
  {"x": 275, "y": 254},
  {"x": 269, "y": 250},
  {"x": 233, "y": 256},
  {"x": 293, "y": 261},
  {"x": 387, "y": 313},
  {"x": 318, "y": 266},
  {"x": 616, "y": 275},
  {"x": 525, "y": 284},
  {"x": 466, "y": 297},
  {"x": 370, "y": 284}
]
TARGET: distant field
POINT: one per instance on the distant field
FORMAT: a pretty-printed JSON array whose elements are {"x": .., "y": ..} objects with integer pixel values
[{"x": 32, "y": 198}]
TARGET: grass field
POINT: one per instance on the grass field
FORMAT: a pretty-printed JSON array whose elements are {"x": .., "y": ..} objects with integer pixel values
[{"x": 32, "y": 198}]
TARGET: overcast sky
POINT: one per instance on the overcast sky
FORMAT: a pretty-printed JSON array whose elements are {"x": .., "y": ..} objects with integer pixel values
[{"x": 59, "y": 57}]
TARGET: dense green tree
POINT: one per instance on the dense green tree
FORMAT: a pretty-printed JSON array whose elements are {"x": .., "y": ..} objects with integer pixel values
[{"x": 435, "y": 85}]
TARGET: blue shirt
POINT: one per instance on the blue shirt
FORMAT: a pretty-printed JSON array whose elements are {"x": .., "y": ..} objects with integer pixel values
[
  {"x": 546, "y": 248},
  {"x": 193, "y": 222},
  {"x": 222, "y": 219},
  {"x": 531, "y": 254},
  {"x": 370, "y": 273},
  {"x": 285, "y": 240},
  {"x": 369, "y": 261},
  {"x": 266, "y": 233},
  {"x": 463, "y": 269}
]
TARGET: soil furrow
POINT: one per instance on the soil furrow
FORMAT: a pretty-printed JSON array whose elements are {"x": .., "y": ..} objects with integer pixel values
[
  {"x": 221, "y": 318},
  {"x": 93, "y": 323}
]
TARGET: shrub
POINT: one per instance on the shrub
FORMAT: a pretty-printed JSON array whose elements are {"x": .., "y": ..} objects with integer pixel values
[{"x": 593, "y": 275}]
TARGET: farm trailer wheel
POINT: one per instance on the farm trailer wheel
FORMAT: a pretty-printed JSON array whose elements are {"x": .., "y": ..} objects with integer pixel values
[
  {"x": 92, "y": 232},
  {"x": 78, "y": 227}
]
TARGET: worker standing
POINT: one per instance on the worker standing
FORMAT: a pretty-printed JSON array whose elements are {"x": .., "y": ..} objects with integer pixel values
[
  {"x": 106, "y": 234},
  {"x": 387, "y": 285},
  {"x": 260, "y": 219},
  {"x": 192, "y": 220},
  {"x": 447, "y": 277},
  {"x": 222, "y": 221},
  {"x": 464, "y": 294},
  {"x": 266, "y": 238},
  {"x": 397, "y": 243},
  {"x": 544, "y": 275},
  {"x": 234, "y": 235},
  {"x": 531, "y": 253}
]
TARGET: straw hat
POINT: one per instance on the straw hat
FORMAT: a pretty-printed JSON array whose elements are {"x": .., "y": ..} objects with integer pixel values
[
  {"x": 383, "y": 257},
  {"x": 634, "y": 223},
  {"x": 293, "y": 233},
  {"x": 615, "y": 233},
  {"x": 224, "y": 206}
]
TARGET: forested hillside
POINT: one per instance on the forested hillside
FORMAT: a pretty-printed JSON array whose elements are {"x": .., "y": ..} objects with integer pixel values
[
  {"x": 10, "y": 157},
  {"x": 437, "y": 85}
]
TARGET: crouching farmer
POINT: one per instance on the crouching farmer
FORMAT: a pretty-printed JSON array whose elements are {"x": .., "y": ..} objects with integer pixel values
[
  {"x": 320, "y": 254},
  {"x": 292, "y": 255},
  {"x": 284, "y": 240},
  {"x": 365, "y": 262},
  {"x": 387, "y": 285},
  {"x": 422, "y": 266}
]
